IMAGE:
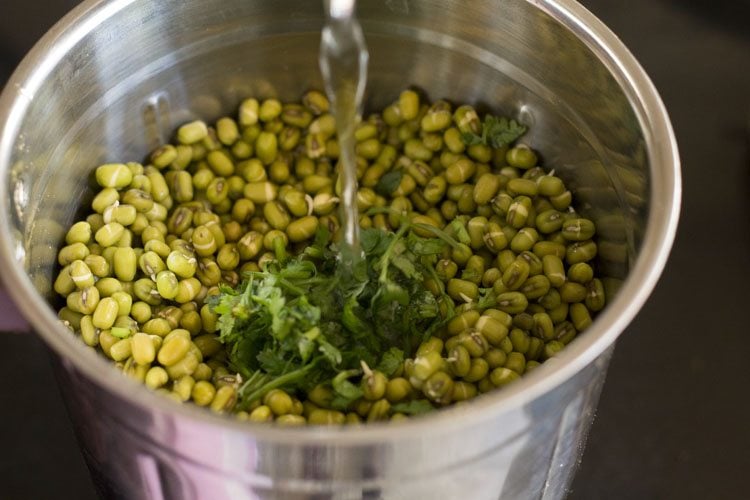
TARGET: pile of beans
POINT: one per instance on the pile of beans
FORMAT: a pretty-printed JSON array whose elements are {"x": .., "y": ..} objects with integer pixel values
[{"x": 161, "y": 237}]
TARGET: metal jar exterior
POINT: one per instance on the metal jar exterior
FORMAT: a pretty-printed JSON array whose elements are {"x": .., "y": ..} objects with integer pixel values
[{"x": 114, "y": 78}]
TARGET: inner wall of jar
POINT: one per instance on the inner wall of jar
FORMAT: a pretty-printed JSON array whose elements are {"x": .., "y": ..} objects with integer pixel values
[{"x": 96, "y": 111}]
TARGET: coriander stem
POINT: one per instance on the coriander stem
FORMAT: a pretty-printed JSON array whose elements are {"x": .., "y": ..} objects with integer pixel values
[
  {"x": 386, "y": 258},
  {"x": 433, "y": 274},
  {"x": 279, "y": 248},
  {"x": 287, "y": 378},
  {"x": 487, "y": 299},
  {"x": 438, "y": 233},
  {"x": 292, "y": 288},
  {"x": 247, "y": 294}
]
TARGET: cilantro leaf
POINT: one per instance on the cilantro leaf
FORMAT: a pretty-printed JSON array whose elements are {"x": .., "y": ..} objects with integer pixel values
[
  {"x": 345, "y": 392},
  {"x": 319, "y": 248},
  {"x": 424, "y": 246},
  {"x": 352, "y": 317},
  {"x": 389, "y": 294},
  {"x": 271, "y": 362},
  {"x": 330, "y": 352},
  {"x": 459, "y": 231},
  {"x": 501, "y": 131},
  {"x": 497, "y": 131},
  {"x": 472, "y": 139},
  {"x": 389, "y": 182},
  {"x": 391, "y": 361},
  {"x": 407, "y": 266},
  {"x": 487, "y": 299},
  {"x": 369, "y": 239},
  {"x": 415, "y": 407},
  {"x": 425, "y": 305},
  {"x": 374, "y": 241},
  {"x": 306, "y": 347}
]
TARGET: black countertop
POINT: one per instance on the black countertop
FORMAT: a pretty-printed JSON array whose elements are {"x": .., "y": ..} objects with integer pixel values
[{"x": 674, "y": 417}]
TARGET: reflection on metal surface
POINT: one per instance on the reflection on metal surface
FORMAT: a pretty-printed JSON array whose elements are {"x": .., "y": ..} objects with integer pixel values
[
  {"x": 20, "y": 186},
  {"x": 157, "y": 124},
  {"x": 572, "y": 431},
  {"x": 19, "y": 252}
]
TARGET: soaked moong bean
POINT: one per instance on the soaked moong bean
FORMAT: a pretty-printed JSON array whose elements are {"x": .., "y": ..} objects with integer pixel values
[{"x": 137, "y": 271}]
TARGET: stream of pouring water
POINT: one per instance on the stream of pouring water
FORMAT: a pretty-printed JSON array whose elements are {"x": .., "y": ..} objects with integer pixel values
[{"x": 343, "y": 63}]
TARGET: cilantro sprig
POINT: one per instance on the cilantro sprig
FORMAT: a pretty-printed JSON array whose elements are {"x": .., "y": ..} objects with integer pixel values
[
  {"x": 497, "y": 131},
  {"x": 300, "y": 322}
]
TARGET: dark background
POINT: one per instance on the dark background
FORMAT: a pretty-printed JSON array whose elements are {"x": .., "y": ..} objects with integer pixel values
[{"x": 674, "y": 418}]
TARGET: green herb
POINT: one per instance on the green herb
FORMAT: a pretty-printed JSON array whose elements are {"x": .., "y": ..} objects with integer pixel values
[
  {"x": 497, "y": 131},
  {"x": 389, "y": 182},
  {"x": 391, "y": 361},
  {"x": 459, "y": 231},
  {"x": 299, "y": 322},
  {"x": 415, "y": 407},
  {"x": 345, "y": 391}
]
